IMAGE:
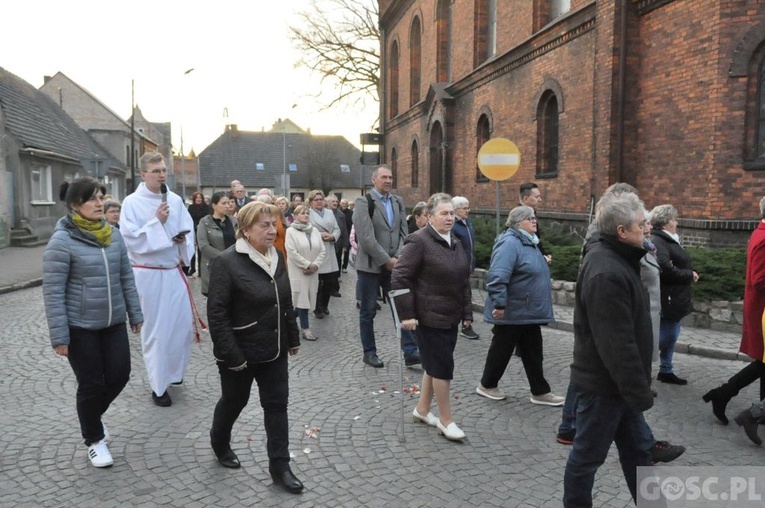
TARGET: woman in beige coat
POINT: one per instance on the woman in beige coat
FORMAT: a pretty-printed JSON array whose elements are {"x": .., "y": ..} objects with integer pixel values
[{"x": 305, "y": 254}]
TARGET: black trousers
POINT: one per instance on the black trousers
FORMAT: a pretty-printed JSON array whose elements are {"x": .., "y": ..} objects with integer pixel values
[
  {"x": 273, "y": 390},
  {"x": 505, "y": 339},
  {"x": 346, "y": 257},
  {"x": 328, "y": 284},
  {"x": 100, "y": 360}
]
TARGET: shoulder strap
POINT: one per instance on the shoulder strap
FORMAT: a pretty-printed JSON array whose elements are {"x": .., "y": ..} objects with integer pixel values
[{"x": 371, "y": 205}]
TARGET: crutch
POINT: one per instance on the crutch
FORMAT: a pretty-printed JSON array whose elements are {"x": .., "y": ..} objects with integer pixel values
[{"x": 391, "y": 300}]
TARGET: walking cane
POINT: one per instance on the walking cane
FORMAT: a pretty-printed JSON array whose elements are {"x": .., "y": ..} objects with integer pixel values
[{"x": 391, "y": 300}]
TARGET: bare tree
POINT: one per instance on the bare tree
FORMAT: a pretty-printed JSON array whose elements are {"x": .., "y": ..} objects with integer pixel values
[{"x": 340, "y": 40}]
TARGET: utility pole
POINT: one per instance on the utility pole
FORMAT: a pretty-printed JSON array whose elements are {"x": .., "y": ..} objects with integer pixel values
[{"x": 132, "y": 135}]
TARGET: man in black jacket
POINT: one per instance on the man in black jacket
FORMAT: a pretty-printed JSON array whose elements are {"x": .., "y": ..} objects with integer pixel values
[{"x": 613, "y": 344}]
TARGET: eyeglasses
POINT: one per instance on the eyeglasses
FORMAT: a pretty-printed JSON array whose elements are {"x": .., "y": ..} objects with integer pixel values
[
  {"x": 532, "y": 219},
  {"x": 317, "y": 199}
]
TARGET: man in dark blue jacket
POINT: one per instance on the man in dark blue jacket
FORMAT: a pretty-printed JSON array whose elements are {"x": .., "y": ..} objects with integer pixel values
[{"x": 613, "y": 344}]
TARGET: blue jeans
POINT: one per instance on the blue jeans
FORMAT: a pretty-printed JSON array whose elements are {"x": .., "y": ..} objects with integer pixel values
[
  {"x": 367, "y": 291},
  {"x": 600, "y": 421},
  {"x": 568, "y": 419},
  {"x": 303, "y": 318},
  {"x": 669, "y": 331}
]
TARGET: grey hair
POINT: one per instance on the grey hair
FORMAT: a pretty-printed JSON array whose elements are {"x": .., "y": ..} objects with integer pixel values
[
  {"x": 620, "y": 188},
  {"x": 437, "y": 199},
  {"x": 662, "y": 214},
  {"x": 420, "y": 208},
  {"x": 265, "y": 198},
  {"x": 111, "y": 204},
  {"x": 762, "y": 208},
  {"x": 378, "y": 168},
  {"x": 518, "y": 215},
  {"x": 617, "y": 210},
  {"x": 460, "y": 201}
]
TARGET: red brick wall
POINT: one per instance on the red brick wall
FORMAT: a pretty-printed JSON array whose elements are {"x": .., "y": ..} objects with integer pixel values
[{"x": 684, "y": 130}]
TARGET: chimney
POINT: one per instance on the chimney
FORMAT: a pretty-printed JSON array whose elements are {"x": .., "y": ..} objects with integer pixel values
[{"x": 46, "y": 79}]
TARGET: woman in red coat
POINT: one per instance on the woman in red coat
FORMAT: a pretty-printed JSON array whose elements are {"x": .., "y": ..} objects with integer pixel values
[{"x": 752, "y": 335}]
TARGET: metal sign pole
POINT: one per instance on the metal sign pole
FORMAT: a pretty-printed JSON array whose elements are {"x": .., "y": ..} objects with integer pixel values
[{"x": 498, "y": 204}]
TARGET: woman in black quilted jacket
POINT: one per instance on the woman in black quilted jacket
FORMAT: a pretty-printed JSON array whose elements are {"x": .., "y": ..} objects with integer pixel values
[
  {"x": 253, "y": 329},
  {"x": 434, "y": 266},
  {"x": 677, "y": 275}
]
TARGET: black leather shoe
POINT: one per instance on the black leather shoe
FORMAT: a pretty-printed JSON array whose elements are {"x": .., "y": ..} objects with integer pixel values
[
  {"x": 746, "y": 420},
  {"x": 671, "y": 379},
  {"x": 373, "y": 361},
  {"x": 413, "y": 359},
  {"x": 319, "y": 314},
  {"x": 336, "y": 294},
  {"x": 163, "y": 400},
  {"x": 287, "y": 480},
  {"x": 226, "y": 456}
]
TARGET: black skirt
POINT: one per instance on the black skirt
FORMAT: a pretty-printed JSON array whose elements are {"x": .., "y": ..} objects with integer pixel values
[{"x": 436, "y": 347}]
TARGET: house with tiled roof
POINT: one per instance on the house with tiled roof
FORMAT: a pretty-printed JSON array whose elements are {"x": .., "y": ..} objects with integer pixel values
[
  {"x": 261, "y": 159},
  {"x": 109, "y": 129},
  {"x": 42, "y": 146}
]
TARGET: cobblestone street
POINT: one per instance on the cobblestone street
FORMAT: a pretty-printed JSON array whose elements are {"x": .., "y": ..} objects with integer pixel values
[{"x": 163, "y": 458}]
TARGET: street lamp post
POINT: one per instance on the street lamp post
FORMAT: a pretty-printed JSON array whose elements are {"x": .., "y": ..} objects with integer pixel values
[
  {"x": 285, "y": 187},
  {"x": 183, "y": 155}
]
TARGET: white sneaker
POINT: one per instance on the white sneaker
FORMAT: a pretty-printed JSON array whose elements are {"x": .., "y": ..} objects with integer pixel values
[
  {"x": 99, "y": 455},
  {"x": 548, "y": 399},
  {"x": 451, "y": 431},
  {"x": 490, "y": 393}
]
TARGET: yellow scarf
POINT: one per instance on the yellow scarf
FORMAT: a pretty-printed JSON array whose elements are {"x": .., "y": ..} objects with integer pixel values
[{"x": 100, "y": 230}]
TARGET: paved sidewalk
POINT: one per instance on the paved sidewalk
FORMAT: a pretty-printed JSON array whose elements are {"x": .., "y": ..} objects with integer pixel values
[{"x": 20, "y": 267}]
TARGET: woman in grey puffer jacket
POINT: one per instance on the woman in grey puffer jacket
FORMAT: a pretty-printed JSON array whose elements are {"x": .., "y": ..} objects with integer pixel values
[{"x": 88, "y": 288}]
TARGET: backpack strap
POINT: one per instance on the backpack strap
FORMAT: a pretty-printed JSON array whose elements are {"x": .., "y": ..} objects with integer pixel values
[{"x": 371, "y": 205}]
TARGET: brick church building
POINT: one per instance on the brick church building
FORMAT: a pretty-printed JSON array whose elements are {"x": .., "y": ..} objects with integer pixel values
[{"x": 668, "y": 95}]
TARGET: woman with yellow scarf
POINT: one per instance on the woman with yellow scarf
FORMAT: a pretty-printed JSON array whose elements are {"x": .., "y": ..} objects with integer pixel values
[{"x": 89, "y": 291}]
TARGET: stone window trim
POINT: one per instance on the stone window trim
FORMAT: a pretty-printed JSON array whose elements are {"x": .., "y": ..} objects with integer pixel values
[
  {"x": 415, "y": 160},
  {"x": 548, "y": 135},
  {"x": 484, "y": 112},
  {"x": 549, "y": 84},
  {"x": 394, "y": 62},
  {"x": 415, "y": 59}
]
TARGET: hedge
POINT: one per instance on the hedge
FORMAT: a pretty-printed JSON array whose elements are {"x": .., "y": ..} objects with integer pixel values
[{"x": 721, "y": 271}]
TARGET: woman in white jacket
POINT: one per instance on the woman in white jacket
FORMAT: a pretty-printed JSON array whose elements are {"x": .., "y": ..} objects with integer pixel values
[{"x": 305, "y": 254}]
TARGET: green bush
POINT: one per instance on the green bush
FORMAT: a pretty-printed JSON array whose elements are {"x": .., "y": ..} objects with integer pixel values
[
  {"x": 721, "y": 274},
  {"x": 721, "y": 271}
]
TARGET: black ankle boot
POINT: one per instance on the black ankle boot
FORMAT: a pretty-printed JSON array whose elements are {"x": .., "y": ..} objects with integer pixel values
[
  {"x": 719, "y": 398},
  {"x": 286, "y": 479},
  {"x": 226, "y": 456},
  {"x": 746, "y": 420}
]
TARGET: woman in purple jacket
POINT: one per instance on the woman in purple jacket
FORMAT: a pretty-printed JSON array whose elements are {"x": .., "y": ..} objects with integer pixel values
[{"x": 434, "y": 267}]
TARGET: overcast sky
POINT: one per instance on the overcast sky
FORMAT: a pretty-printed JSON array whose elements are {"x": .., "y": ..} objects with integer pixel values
[{"x": 240, "y": 51}]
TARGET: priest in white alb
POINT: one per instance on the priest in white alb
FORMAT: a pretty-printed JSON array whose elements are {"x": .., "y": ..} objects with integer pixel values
[{"x": 159, "y": 234}]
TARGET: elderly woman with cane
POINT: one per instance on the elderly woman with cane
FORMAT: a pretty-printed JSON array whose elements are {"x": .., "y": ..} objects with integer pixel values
[{"x": 434, "y": 267}]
